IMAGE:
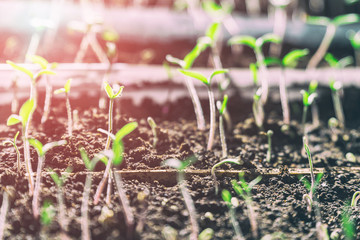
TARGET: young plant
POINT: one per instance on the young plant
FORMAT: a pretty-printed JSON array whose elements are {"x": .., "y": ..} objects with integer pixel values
[
  {"x": 232, "y": 203},
  {"x": 355, "y": 198},
  {"x": 66, "y": 90},
  {"x": 207, "y": 82},
  {"x": 244, "y": 191},
  {"x": 44, "y": 64},
  {"x": 331, "y": 26},
  {"x": 256, "y": 45},
  {"x": 117, "y": 157},
  {"x": 213, "y": 175},
  {"x": 355, "y": 43},
  {"x": 308, "y": 98},
  {"x": 258, "y": 109},
  {"x": 269, "y": 134},
  {"x": 181, "y": 166},
  {"x": 186, "y": 64},
  {"x": 112, "y": 93},
  {"x": 336, "y": 86},
  {"x": 41, "y": 151},
  {"x": 24, "y": 117},
  {"x": 13, "y": 142},
  {"x": 153, "y": 126},
  {"x": 222, "y": 109}
]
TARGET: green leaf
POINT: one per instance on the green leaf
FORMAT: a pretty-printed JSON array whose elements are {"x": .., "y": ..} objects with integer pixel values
[
  {"x": 246, "y": 40},
  {"x": 226, "y": 196},
  {"x": 206, "y": 234},
  {"x": 291, "y": 59},
  {"x": 213, "y": 31},
  {"x": 348, "y": 225},
  {"x": 217, "y": 72},
  {"x": 355, "y": 40},
  {"x": 118, "y": 149},
  {"x": 210, "y": 6},
  {"x": 45, "y": 71},
  {"x": 195, "y": 75},
  {"x": 118, "y": 89},
  {"x": 86, "y": 159},
  {"x": 272, "y": 61},
  {"x": 254, "y": 182},
  {"x": 331, "y": 60},
  {"x": 318, "y": 20},
  {"x": 37, "y": 145},
  {"x": 201, "y": 45},
  {"x": 223, "y": 105},
  {"x": 60, "y": 90},
  {"x": 306, "y": 182},
  {"x": 48, "y": 212},
  {"x": 318, "y": 177},
  {"x": 16, "y": 135},
  {"x": 125, "y": 130},
  {"x": 56, "y": 178},
  {"x": 269, "y": 37},
  {"x": 21, "y": 69},
  {"x": 108, "y": 90},
  {"x": 313, "y": 86},
  {"x": 39, "y": 60},
  {"x": 54, "y": 65},
  {"x": 237, "y": 188},
  {"x": 13, "y": 119},
  {"x": 346, "y": 19},
  {"x": 110, "y": 35},
  {"x": 305, "y": 97},
  {"x": 25, "y": 110},
  {"x": 254, "y": 71},
  {"x": 67, "y": 85}
]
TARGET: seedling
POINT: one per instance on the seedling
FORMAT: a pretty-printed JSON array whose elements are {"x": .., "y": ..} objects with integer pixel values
[
  {"x": 41, "y": 151},
  {"x": 232, "y": 203},
  {"x": 228, "y": 160},
  {"x": 153, "y": 126},
  {"x": 269, "y": 134},
  {"x": 331, "y": 26},
  {"x": 222, "y": 109},
  {"x": 256, "y": 45},
  {"x": 308, "y": 98},
  {"x": 181, "y": 166},
  {"x": 355, "y": 43},
  {"x": 44, "y": 64},
  {"x": 186, "y": 64},
  {"x": 258, "y": 109},
  {"x": 13, "y": 142},
  {"x": 24, "y": 117},
  {"x": 355, "y": 198},
  {"x": 207, "y": 82},
  {"x": 336, "y": 86},
  {"x": 244, "y": 191},
  {"x": 66, "y": 90},
  {"x": 116, "y": 159},
  {"x": 47, "y": 213}
]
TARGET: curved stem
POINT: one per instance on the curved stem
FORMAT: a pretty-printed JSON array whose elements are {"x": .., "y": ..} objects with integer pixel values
[
  {"x": 102, "y": 182},
  {"x": 196, "y": 102},
  {"x": 355, "y": 198},
  {"x": 263, "y": 75},
  {"x": 212, "y": 119},
  {"x": 339, "y": 112}
]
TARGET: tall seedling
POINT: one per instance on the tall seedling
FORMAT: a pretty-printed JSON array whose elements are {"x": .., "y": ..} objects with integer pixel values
[
  {"x": 207, "y": 82},
  {"x": 66, "y": 90},
  {"x": 24, "y": 118},
  {"x": 256, "y": 45}
]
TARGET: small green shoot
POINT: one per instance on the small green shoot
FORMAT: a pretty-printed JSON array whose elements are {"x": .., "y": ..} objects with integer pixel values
[
  {"x": 153, "y": 126},
  {"x": 222, "y": 109},
  {"x": 355, "y": 43},
  {"x": 213, "y": 175},
  {"x": 13, "y": 143},
  {"x": 269, "y": 134},
  {"x": 66, "y": 90},
  {"x": 47, "y": 213},
  {"x": 308, "y": 99},
  {"x": 244, "y": 191},
  {"x": 258, "y": 109},
  {"x": 24, "y": 118},
  {"x": 207, "y": 82},
  {"x": 355, "y": 198}
]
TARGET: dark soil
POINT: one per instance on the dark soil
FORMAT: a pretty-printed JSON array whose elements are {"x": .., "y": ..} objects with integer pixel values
[{"x": 277, "y": 199}]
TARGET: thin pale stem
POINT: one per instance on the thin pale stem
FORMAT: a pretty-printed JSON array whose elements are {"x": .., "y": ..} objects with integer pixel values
[
  {"x": 303, "y": 121},
  {"x": 68, "y": 108},
  {"x": 222, "y": 137},
  {"x": 36, "y": 197},
  {"x": 110, "y": 125},
  {"x": 228, "y": 121},
  {"x": 18, "y": 159},
  {"x": 102, "y": 182},
  {"x": 61, "y": 210},
  {"x": 47, "y": 103},
  {"x": 212, "y": 119},
  {"x": 102, "y": 99},
  {"x": 196, "y": 102},
  {"x": 108, "y": 190},
  {"x": 85, "y": 230},
  {"x": 268, "y": 154},
  {"x": 263, "y": 75},
  {"x": 252, "y": 218},
  {"x": 129, "y": 216},
  {"x": 190, "y": 206},
  {"x": 315, "y": 114},
  {"x": 99, "y": 52},
  {"x": 3, "y": 212},
  {"x": 15, "y": 100},
  {"x": 28, "y": 167},
  {"x": 323, "y": 48},
  {"x": 85, "y": 42},
  {"x": 284, "y": 98},
  {"x": 339, "y": 112},
  {"x": 235, "y": 224},
  {"x": 279, "y": 29}
]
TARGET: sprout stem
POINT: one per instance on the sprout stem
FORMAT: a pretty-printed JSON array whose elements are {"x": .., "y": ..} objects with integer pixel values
[
  {"x": 357, "y": 57},
  {"x": 303, "y": 121},
  {"x": 36, "y": 197},
  {"x": 28, "y": 167},
  {"x": 222, "y": 136},
  {"x": 196, "y": 102},
  {"x": 129, "y": 216},
  {"x": 284, "y": 98},
  {"x": 268, "y": 154},
  {"x": 3, "y": 213},
  {"x": 108, "y": 190},
  {"x": 355, "y": 199},
  {"x": 279, "y": 28},
  {"x": 315, "y": 114},
  {"x": 110, "y": 127},
  {"x": 213, "y": 175},
  {"x": 263, "y": 75},
  {"x": 339, "y": 112},
  {"x": 212, "y": 119},
  {"x": 68, "y": 108},
  {"x": 235, "y": 224},
  {"x": 47, "y": 102},
  {"x": 102, "y": 182},
  {"x": 15, "y": 100},
  {"x": 61, "y": 210},
  {"x": 85, "y": 230}
]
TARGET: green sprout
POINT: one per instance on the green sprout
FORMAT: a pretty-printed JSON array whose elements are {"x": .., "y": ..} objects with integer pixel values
[
  {"x": 66, "y": 90},
  {"x": 331, "y": 26},
  {"x": 112, "y": 93},
  {"x": 232, "y": 203},
  {"x": 207, "y": 82},
  {"x": 254, "y": 73},
  {"x": 44, "y": 64},
  {"x": 185, "y": 64},
  {"x": 258, "y": 109},
  {"x": 13, "y": 142},
  {"x": 181, "y": 166},
  {"x": 336, "y": 86},
  {"x": 308, "y": 99},
  {"x": 153, "y": 126},
  {"x": 244, "y": 191},
  {"x": 41, "y": 151},
  {"x": 256, "y": 45},
  {"x": 24, "y": 117},
  {"x": 117, "y": 152},
  {"x": 269, "y": 134},
  {"x": 222, "y": 109},
  {"x": 47, "y": 213},
  {"x": 355, "y": 43},
  {"x": 213, "y": 175},
  {"x": 355, "y": 198}
]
